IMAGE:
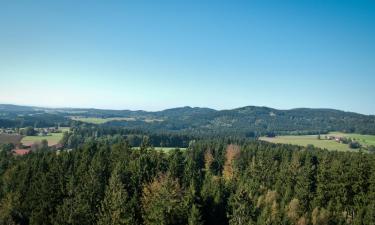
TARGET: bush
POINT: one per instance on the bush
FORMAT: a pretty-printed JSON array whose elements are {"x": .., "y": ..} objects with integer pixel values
[
  {"x": 354, "y": 145},
  {"x": 28, "y": 131}
]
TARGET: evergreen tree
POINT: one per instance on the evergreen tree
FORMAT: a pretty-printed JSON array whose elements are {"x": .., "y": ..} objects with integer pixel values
[
  {"x": 242, "y": 210},
  {"x": 9, "y": 209},
  {"x": 195, "y": 216},
  {"x": 114, "y": 209},
  {"x": 163, "y": 203}
]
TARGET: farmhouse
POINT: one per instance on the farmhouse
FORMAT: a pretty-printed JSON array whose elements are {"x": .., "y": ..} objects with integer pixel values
[
  {"x": 57, "y": 146},
  {"x": 42, "y": 133},
  {"x": 337, "y": 139},
  {"x": 7, "y": 131},
  {"x": 21, "y": 151}
]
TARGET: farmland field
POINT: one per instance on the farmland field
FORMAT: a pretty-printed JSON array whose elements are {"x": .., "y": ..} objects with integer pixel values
[
  {"x": 52, "y": 139},
  {"x": 362, "y": 139},
  {"x": 10, "y": 138},
  {"x": 64, "y": 129},
  {"x": 305, "y": 140},
  {"x": 96, "y": 120},
  {"x": 165, "y": 149}
]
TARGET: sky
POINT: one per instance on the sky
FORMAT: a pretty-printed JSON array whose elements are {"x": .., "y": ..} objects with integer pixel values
[{"x": 154, "y": 55}]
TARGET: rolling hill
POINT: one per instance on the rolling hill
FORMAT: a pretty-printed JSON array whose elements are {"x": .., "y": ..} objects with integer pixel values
[{"x": 245, "y": 121}]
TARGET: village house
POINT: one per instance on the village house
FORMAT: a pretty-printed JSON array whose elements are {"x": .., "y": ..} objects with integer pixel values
[{"x": 21, "y": 151}]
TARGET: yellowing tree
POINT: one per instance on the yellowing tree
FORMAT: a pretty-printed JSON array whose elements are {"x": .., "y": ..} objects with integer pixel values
[
  {"x": 232, "y": 152},
  {"x": 163, "y": 202},
  {"x": 293, "y": 210}
]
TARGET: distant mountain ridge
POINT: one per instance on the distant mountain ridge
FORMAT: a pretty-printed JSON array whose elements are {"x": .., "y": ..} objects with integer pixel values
[
  {"x": 243, "y": 121},
  {"x": 13, "y": 107}
]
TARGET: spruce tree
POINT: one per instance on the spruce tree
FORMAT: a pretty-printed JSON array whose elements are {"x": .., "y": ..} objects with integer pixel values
[
  {"x": 195, "y": 217},
  {"x": 114, "y": 208}
]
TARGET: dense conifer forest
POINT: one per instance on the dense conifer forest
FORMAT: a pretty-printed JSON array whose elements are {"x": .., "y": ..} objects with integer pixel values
[{"x": 218, "y": 182}]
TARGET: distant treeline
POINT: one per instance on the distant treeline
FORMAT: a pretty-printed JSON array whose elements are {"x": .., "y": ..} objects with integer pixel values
[
  {"x": 254, "y": 121},
  {"x": 81, "y": 134},
  {"x": 34, "y": 120}
]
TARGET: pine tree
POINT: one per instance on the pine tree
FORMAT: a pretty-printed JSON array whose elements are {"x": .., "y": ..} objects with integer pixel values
[
  {"x": 8, "y": 208},
  {"x": 214, "y": 200},
  {"x": 195, "y": 216},
  {"x": 241, "y": 209},
  {"x": 232, "y": 152},
  {"x": 294, "y": 210},
  {"x": 114, "y": 209},
  {"x": 162, "y": 202}
]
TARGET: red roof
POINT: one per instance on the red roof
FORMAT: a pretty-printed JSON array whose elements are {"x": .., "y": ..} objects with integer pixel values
[{"x": 21, "y": 151}]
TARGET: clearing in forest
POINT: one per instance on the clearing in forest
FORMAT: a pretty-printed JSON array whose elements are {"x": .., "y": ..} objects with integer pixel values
[
  {"x": 53, "y": 139},
  {"x": 305, "y": 140}
]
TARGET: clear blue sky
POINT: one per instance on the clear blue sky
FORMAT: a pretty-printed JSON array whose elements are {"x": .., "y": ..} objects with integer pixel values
[{"x": 219, "y": 54}]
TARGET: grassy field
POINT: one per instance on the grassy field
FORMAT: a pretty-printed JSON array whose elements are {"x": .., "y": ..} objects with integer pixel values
[
  {"x": 10, "y": 138},
  {"x": 96, "y": 120},
  {"x": 164, "y": 149},
  {"x": 362, "y": 139},
  {"x": 52, "y": 139},
  {"x": 167, "y": 149},
  {"x": 304, "y": 140},
  {"x": 64, "y": 129}
]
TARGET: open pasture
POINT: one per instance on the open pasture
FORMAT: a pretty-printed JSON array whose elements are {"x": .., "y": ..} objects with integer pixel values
[
  {"x": 362, "y": 139},
  {"x": 97, "y": 120},
  {"x": 10, "y": 138},
  {"x": 305, "y": 140},
  {"x": 167, "y": 149},
  {"x": 52, "y": 139},
  {"x": 164, "y": 149}
]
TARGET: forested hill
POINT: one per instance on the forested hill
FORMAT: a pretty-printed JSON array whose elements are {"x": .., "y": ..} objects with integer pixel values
[{"x": 245, "y": 121}]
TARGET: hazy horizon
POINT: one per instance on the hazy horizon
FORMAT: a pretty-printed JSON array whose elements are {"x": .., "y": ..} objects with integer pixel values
[
  {"x": 154, "y": 56},
  {"x": 175, "y": 107}
]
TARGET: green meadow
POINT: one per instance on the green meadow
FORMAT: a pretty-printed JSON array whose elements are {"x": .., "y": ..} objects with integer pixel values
[
  {"x": 165, "y": 149},
  {"x": 52, "y": 139},
  {"x": 362, "y": 139},
  {"x": 96, "y": 120},
  {"x": 305, "y": 140}
]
